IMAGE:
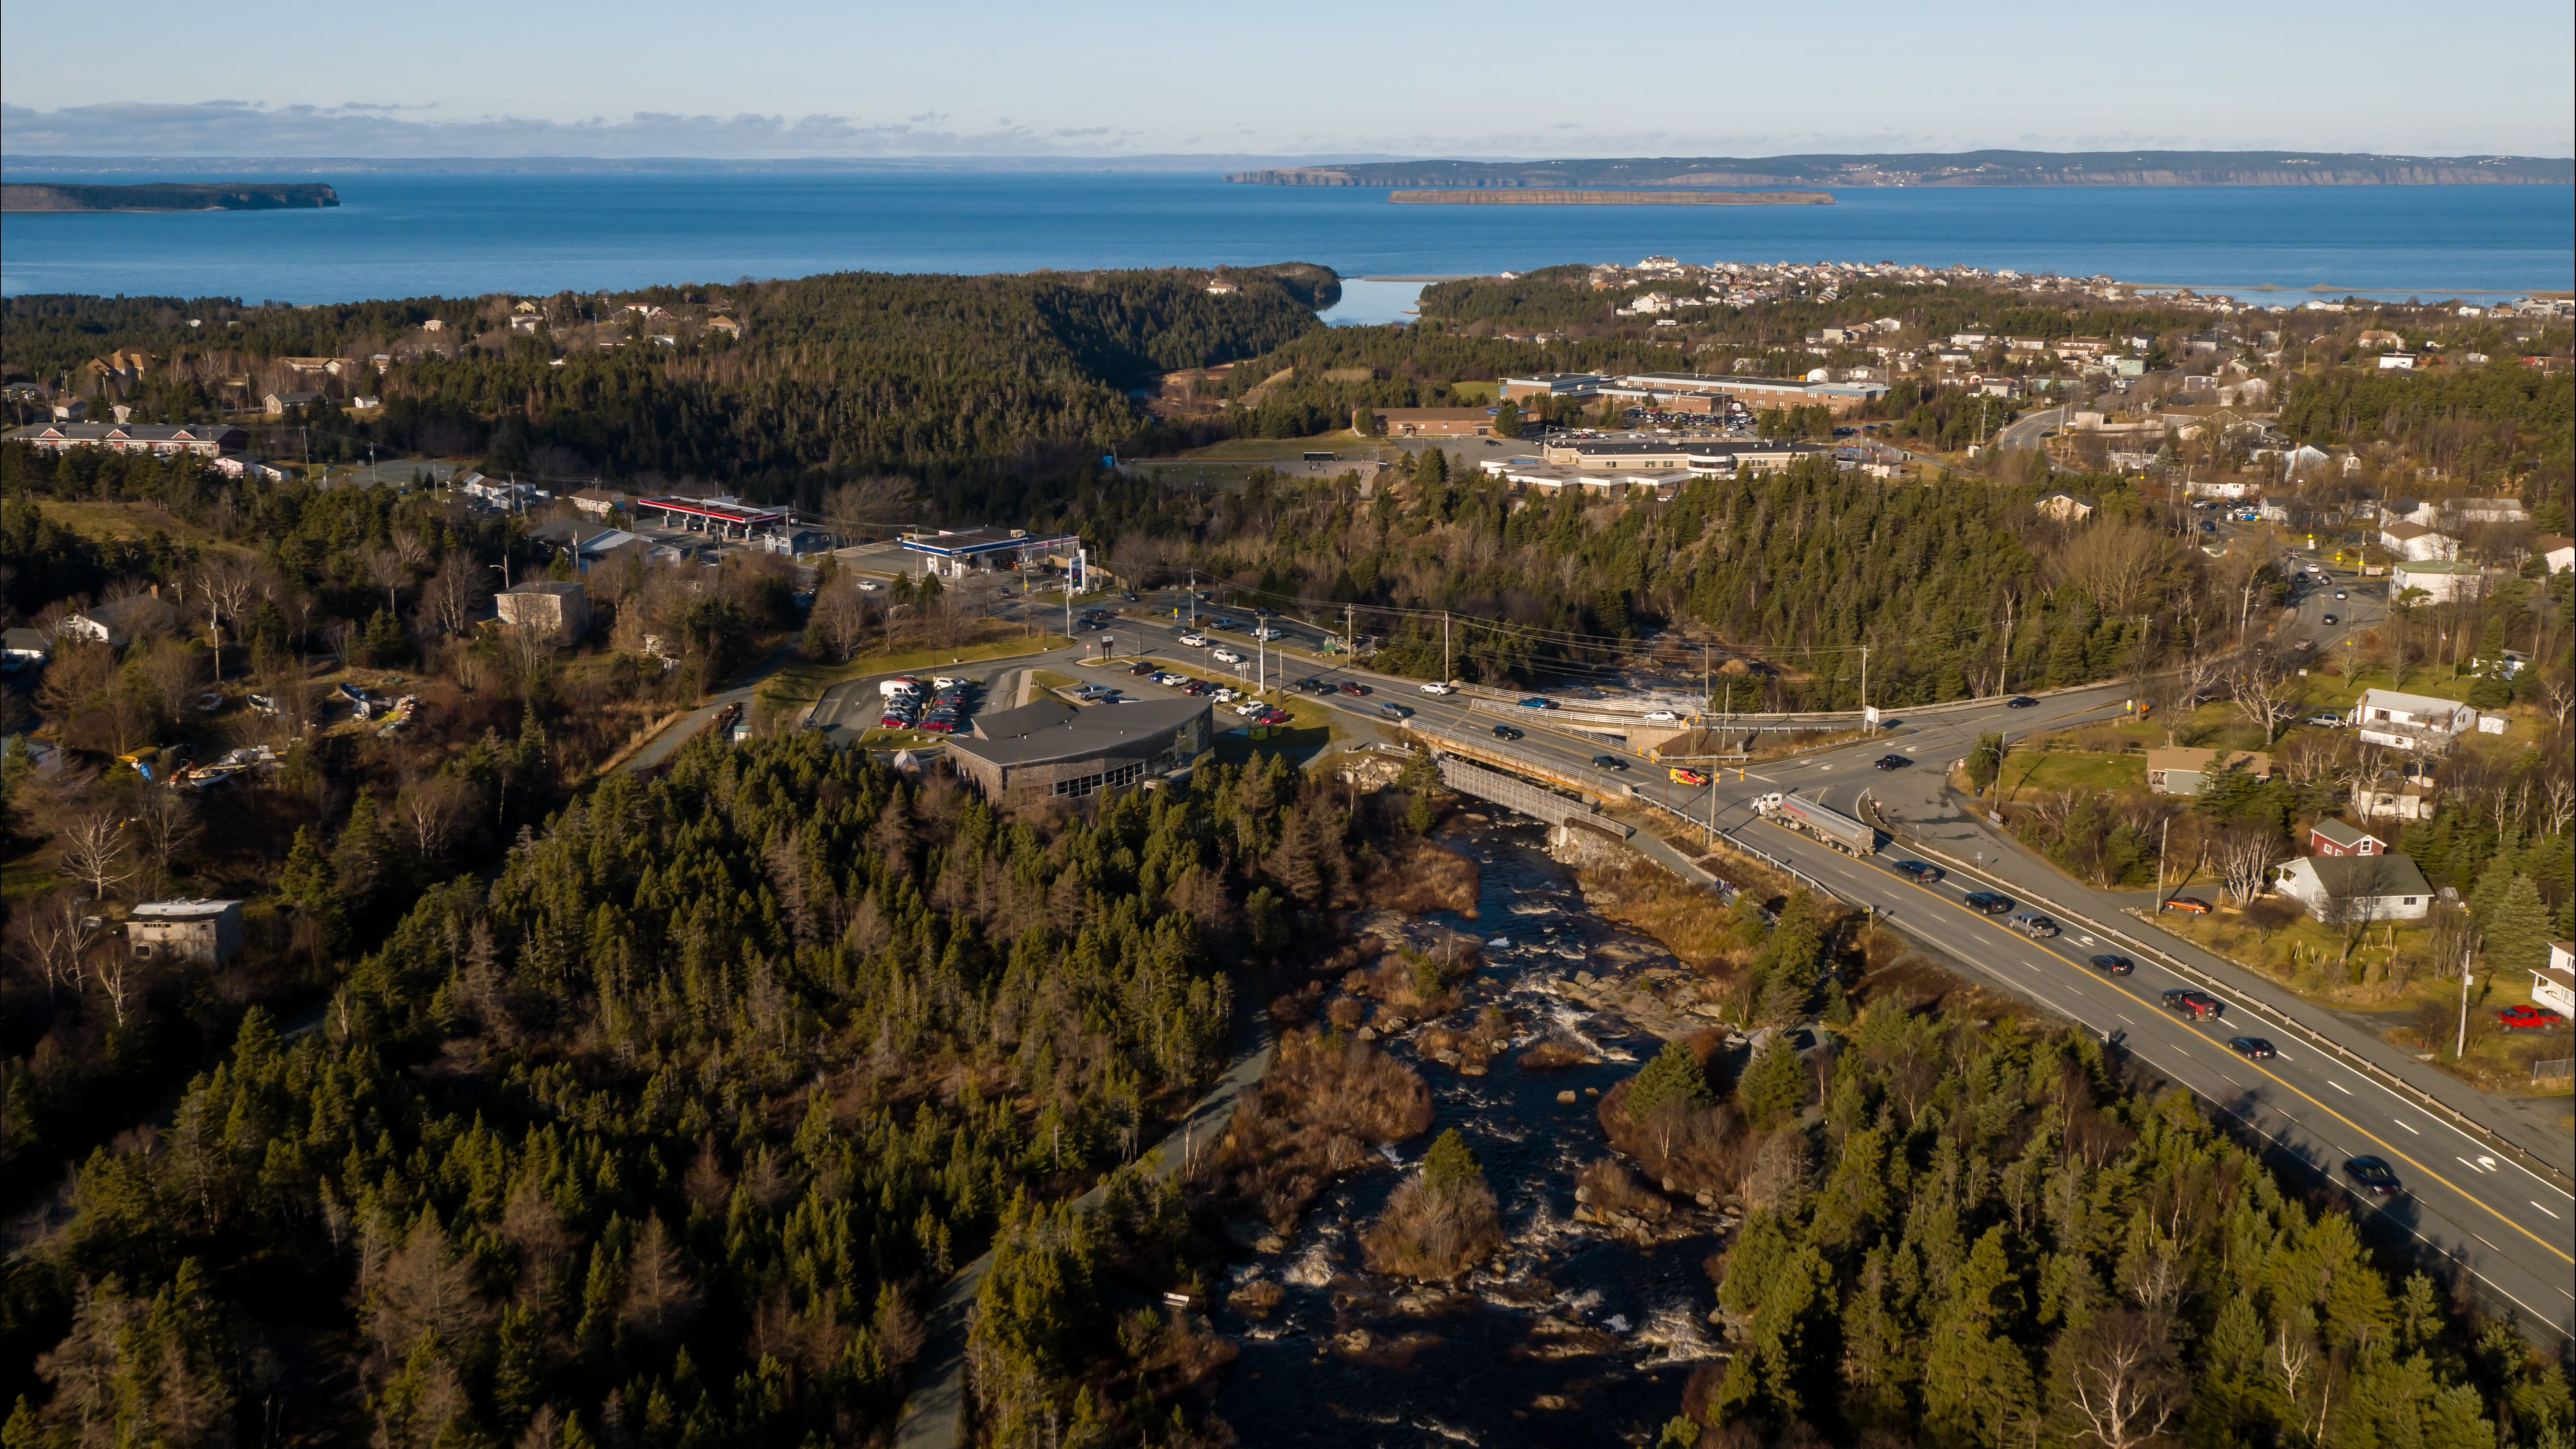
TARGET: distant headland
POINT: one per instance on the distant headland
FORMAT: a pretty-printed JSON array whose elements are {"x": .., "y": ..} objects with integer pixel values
[
  {"x": 1530, "y": 196},
  {"x": 1963, "y": 168},
  {"x": 166, "y": 196}
]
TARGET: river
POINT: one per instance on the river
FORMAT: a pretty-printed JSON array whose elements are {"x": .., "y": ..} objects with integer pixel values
[{"x": 1572, "y": 1336}]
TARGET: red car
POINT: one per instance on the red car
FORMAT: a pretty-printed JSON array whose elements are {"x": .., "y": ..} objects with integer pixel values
[
  {"x": 2187, "y": 905},
  {"x": 2528, "y": 1018}
]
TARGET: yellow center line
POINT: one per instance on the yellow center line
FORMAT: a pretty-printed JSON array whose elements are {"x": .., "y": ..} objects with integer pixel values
[{"x": 2385, "y": 1146}]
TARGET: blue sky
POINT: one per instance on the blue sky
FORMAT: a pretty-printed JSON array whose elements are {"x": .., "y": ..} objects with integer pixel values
[{"x": 1004, "y": 78}]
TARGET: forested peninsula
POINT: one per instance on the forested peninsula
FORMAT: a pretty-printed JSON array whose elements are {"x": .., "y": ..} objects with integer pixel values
[
  {"x": 1962, "y": 168},
  {"x": 1536, "y": 196},
  {"x": 168, "y": 196}
]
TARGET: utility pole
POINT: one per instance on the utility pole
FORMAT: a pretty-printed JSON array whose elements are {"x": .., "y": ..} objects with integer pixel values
[
  {"x": 1350, "y": 635},
  {"x": 1194, "y": 596},
  {"x": 1864, "y": 691},
  {"x": 2163, "y": 838},
  {"x": 2461, "y": 1048},
  {"x": 1444, "y": 646}
]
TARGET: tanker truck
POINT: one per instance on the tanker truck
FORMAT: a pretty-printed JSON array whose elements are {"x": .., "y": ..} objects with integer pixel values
[{"x": 1831, "y": 826}]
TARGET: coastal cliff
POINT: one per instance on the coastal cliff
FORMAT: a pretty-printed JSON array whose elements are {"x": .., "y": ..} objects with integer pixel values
[
  {"x": 1465, "y": 196},
  {"x": 167, "y": 196}
]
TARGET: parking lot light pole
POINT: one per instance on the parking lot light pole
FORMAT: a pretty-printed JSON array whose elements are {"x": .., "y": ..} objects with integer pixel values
[{"x": 2461, "y": 1048}]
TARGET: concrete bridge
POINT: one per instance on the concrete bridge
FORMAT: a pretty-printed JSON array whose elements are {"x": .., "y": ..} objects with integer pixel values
[{"x": 1512, "y": 792}]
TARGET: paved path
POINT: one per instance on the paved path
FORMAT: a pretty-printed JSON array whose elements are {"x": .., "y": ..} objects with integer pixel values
[{"x": 934, "y": 1417}]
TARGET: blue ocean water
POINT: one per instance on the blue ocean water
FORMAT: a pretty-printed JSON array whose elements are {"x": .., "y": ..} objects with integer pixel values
[{"x": 403, "y": 234}]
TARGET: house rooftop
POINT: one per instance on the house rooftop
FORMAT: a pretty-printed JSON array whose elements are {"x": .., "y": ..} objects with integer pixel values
[
  {"x": 2374, "y": 875},
  {"x": 189, "y": 909},
  {"x": 2341, "y": 834}
]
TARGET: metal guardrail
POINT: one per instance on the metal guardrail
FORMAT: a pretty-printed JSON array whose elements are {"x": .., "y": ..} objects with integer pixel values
[{"x": 2364, "y": 1065}]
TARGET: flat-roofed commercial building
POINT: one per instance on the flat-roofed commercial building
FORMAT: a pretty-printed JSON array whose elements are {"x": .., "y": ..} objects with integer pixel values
[
  {"x": 1759, "y": 392},
  {"x": 1049, "y": 750},
  {"x": 1552, "y": 385},
  {"x": 1436, "y": 422},
  {"x": 954, "y": 552},
  {"x": 1645, "y": 459}
]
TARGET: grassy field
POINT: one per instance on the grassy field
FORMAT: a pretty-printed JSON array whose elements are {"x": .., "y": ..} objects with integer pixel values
[
  {"x": 2045, "y": 772},
  {"x": 1342, "y": 443},
  {"x": 803, "y": 681},
  {"x": 106, "y": 522}
]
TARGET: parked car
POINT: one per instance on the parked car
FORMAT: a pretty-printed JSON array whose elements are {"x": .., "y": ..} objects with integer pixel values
[
  {"x": 1506, "y": 732},
  {"x": 1892, "y": 762},
  {"x": 1918, "y": 872},
  {"x": 2198, "y": 1005},
  {"x": 2034, "y": 925},
  {"x": 2251, "y": 1048},
  {"x": 2528, "y": 1018},
  {"x": 2110, "y": 964},
  {"x": 1538, "y": 701},
  {"x": 1140, "y": 667},
  {"x": 1436, "y": 687},
  {"x": 1989, "y": 902},
  {"x": 1681, "y": 776},
  {"x": 1608, "y": 762},
  {"x": 2325, "y": 720},
  {"x": 2020, "y": 701},
  {"x": 2187, "y": 905},
  {"x": 2373, "y": 1176},
  {"x": 2339, "y": 593}
]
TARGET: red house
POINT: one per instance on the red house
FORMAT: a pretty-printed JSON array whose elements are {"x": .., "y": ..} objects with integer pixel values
[{"x": 2332, "y": 837}]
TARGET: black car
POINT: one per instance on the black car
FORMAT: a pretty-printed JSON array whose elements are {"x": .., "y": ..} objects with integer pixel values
[
  {"x": 1141, "y": 666},
  {"x": 2020, "y": 701},
  {"x": 2329, "y": 618},
  {"x": 2372, "y": 1176},
  {"x": 1917, "y": 872},
  {"x": 1989, "y": 902},
  {"x": 1506, "y": 732},
  {"x": 1608, "y": 762},
  {"x": 2113, "y": 965},
  {"x": 1893, "y": 762},
  {"x": 2251, "y": 1048}
]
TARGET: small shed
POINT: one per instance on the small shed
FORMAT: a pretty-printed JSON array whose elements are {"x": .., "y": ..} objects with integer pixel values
[{"x": 200, "y": 931}]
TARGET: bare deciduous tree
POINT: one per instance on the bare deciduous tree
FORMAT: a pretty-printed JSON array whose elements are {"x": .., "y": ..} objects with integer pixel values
[
  {"x": 95, "y": 851},
  {"x": 2124, "y": 1389},
  {"x": 2266, "y": 694},
  {"x": 2245, "y": 854},
  {"x": 453, "y": 595},
  {"x": 388, "y": 570},
  {"x": 55, "y": 937},
  {"x": 229, "y": 588},
  {"x": 176, "y": 676},
  {"x": 166, "y": 822},
  {"x": 432, "y": 809}
]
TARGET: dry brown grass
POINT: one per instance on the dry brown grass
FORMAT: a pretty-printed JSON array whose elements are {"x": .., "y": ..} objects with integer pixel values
[
  {"x": 1416, "y": 875},
  {"x": 1325, "y": 1103},
  {"x": 1691, "y": 922},
  {"x": 1692, "y": 1147},
  {"x": 1606, "y": 1184},
  {"x": 1433, "y": 1233},
  {"x": 1256, "y": 1298}
]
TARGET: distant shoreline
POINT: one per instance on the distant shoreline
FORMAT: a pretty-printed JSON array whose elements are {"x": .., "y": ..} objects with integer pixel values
[
  {"x": 1543, "y": 196},
  {"x": 21, "y": 197}
]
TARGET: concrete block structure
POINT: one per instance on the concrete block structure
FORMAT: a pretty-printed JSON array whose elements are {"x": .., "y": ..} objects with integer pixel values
[
  {"x": 556, "y": 608},
  {"x": 206, "y": 933}
]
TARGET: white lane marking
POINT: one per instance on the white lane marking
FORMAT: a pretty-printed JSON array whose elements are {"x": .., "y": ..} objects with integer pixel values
[
  {"x": 2338, "y": 1086},
  {"x": 2123, "y": 1017},
  {"x": 2285, "y": 1056},
  {"x": 2402, "y": 1122},
  {"x": 2553, "y": 1216}
]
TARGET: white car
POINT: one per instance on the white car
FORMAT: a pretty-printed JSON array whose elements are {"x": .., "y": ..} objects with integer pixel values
[
  {"x": 1251, "y": 707},
  {"x": 1223, "y": 695},
  {"x": 1266, "y": 632},
  {"x": 1195, "y": 641},
  {"x": 869, "y": 586},
  {"x": 1226, "y": 656},
  {"x": 1662, "y": 716},
  {"x": 1436, "y": 687}
]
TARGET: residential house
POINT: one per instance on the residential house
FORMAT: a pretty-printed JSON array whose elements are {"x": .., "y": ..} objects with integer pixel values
[
  {"x": 433, "y": 325},
  {"x": 2347, "y": 889},
  {"x": 2394, "y": 797},
  {"x": 2417, "y": 723},
  {"x": 70, "y": 409},
  {"x": 2377, "y": 338},
  {"x": 204, "y": 932},
  {"x": 2398, "y": 361},
  {"x": 558, "y": 609},
  {"x": 20, "y": 648},
  {"x": 118, "y": 621},
  {"x": 119, "y": 366},
  {"x": 2556, "y": 550},
  {"x": 2065, "y": 508},
  {"x": 2416, "y": 543},
  {"x": 2554, "y": 985},
  {"x": 278, "y": 402},
  {"x": 597, "y": 502},
  {"x": 1220, "y": 287},
  {"x": 2442, "y": 580},
  {"x": 2487, "y": 510},
  {"x": 2331, "y": 836},
  {"x": 2180, "y": 772},
  {"x": 724, "y": 325},
  {"x": 525, "y": 322}
]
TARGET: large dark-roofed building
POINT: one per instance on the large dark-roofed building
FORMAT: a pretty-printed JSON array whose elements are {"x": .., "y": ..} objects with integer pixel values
[{"x": 1049, "y": 750}]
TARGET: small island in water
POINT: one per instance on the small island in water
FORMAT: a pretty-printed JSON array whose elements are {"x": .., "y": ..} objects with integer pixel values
[
  {"x": 1551, "y": 196},
  {"x": 166, "y": 196}
]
